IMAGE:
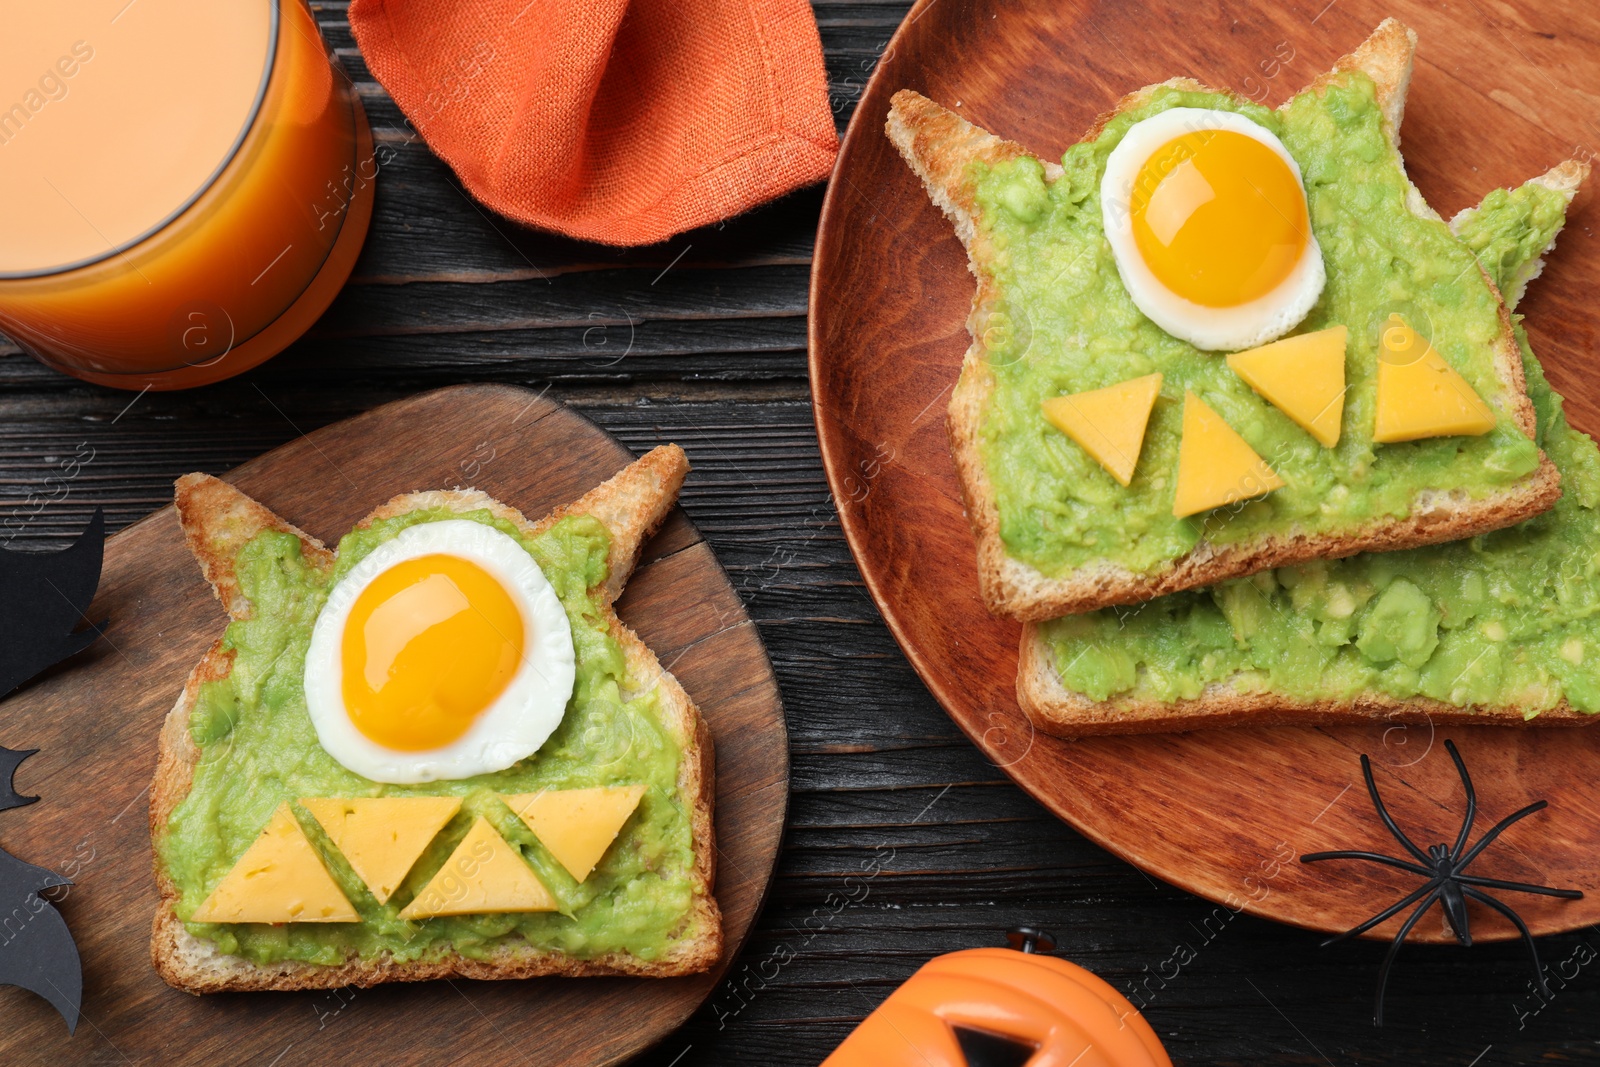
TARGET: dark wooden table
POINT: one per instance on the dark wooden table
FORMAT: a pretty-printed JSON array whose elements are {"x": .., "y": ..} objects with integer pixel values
[{"x": 903, "y": 842}]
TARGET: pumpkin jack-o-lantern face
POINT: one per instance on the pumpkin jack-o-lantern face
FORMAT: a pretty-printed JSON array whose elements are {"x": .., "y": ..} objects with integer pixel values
[
  {"x": 983, "y": 1049},
  {"x": 993, "y": 1007}
]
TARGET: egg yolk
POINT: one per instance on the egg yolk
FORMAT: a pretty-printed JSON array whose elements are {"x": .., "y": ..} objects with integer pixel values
[
  {"x": 429, "y": 645},
  {"x": 1219, "y": 217}
]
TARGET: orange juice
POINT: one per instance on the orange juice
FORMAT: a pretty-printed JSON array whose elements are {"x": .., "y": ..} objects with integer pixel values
[{"x": 183, "y": 186}]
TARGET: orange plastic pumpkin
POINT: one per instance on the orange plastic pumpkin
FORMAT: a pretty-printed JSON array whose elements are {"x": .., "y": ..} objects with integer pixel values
[{"x": 1000, "y": 1007}]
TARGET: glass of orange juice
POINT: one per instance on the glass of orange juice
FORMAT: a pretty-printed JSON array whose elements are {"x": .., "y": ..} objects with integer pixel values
[{"x": 183, "y": 186}]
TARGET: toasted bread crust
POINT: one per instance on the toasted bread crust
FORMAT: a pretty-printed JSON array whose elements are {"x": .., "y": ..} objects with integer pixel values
[
  {"x": 218, "y": 520},
  {"x": 1566, "y": 178},
  {"x": 1055, "y": 710},
  {"x": 940, "y": 146}
]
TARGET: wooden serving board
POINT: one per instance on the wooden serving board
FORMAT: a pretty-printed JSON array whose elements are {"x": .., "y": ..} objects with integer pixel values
[
  {"x": 96, "y": 720},
  {"x": 1501, "y": 92}
]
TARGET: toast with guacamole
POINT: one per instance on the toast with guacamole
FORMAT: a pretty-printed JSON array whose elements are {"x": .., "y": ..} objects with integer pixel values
[
  {"x": 434, "y": 751},
  {"x": 1502, "y": 628},
  {"x": 1218, "y": 338}
]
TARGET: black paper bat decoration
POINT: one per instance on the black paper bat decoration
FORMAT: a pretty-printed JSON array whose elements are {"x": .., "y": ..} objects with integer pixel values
[
  {"x": 43, "y": 596},
  {"x": 36, "y": 948}
]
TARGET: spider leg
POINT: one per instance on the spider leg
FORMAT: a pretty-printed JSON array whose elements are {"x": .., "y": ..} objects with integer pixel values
[
  {"x": 1394, "y": 949},
  {"x": 1410, "y": 898},
  {"x": 1313, "y": 857},
  {"x": 1522, "y": 928},
  {"x": 1472, "y": 799},
  {"x": 1383, "y": 812},
  {"x": 1520, "y": 887},
  {"x": 1494, "y": 832}
]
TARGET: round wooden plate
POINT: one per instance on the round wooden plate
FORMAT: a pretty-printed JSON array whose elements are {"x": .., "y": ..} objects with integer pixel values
[
  {"x": 1500, "y": 94},
  {"x": 96, "y": 720}
]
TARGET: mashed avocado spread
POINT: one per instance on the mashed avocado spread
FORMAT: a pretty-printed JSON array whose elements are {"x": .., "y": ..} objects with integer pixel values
[
  {"x": 1064, "y": 324},
  {"x": 258, "y": 749},
  {"x": 1511, "y": 617}
]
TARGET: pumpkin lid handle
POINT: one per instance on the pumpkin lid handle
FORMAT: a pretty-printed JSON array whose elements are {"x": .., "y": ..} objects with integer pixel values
[{"x": 1030, "y": 939}]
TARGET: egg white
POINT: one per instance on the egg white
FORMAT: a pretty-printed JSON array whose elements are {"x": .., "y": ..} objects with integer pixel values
[
  {"x": 510, "y": 729},
  {"x": 1212, "y": 329}
]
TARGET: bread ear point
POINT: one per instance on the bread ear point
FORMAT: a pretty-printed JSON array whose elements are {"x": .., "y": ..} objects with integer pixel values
[
  {"x": 1387, "y": 57},
  {"x": 218, "y": 520},
  {"x": 1567, "y": 180},
  {"x": 632, "y": 504}
]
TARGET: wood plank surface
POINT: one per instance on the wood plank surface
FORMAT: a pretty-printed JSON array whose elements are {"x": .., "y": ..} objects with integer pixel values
[{"x": 903, "y": 841}]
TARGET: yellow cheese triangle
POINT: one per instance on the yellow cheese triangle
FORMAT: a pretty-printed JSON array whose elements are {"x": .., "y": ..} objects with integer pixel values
[
  {"x": 483, "y": 874},
  {"x": 1108, "y": 423},
  {"x": 1419, "y": 394},
  {"x": 577, "y": 825},
  {"x": 1303, "y": 377},
  {"x": 279, "y": 879},
  {"x": 382, "y": 836},
  {"x": 1215, "y": 465}
]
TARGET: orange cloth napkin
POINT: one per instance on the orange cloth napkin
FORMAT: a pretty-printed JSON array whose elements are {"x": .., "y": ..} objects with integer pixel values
[{"x": 621, "y": 121}]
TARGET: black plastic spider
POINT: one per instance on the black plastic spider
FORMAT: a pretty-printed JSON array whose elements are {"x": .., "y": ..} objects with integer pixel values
[{"x": 1442, "y": 867}]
